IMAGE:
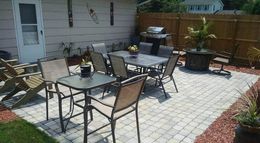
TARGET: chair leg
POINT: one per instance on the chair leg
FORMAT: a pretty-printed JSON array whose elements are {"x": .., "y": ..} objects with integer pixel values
[
  {"x": 47, "y": 105},
  {"x": 160, "y": 80},
  {"x": 71, "y": 100},
  {"x": 30, "y": 94},
  {"x": 85, "y": 125},
  {"x": 103, "y": 94},
  {"x": 12, "y": 93},
  {"x": 221, "y": 71},
  {"x": 174, "y": 84},
  {"x": 137, "y": 125},
  {"x": 113, "y": 131}
]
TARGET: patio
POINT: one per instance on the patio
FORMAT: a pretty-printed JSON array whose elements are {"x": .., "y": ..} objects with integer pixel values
[{"x": 201, "y": 99}]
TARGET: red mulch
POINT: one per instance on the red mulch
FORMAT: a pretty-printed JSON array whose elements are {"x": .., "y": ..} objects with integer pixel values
[
  {"x": 6, "y": 114},
  {"x": 222, "y": 130}
]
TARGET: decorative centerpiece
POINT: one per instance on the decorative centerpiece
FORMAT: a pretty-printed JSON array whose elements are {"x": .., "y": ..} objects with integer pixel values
[
  {"x": 133, "y": 51},
  {"x": 199, "y": 36},
  {"x": 85, "y": 67}
]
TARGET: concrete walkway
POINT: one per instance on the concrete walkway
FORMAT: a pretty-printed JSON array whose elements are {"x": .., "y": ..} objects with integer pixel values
[{"x": 201, "y": 99}]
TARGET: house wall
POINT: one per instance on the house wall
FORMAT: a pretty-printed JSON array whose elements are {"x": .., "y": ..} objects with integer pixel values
[
  {"x": 84, "y": 32},
  {"x": 7, "y": 28}
]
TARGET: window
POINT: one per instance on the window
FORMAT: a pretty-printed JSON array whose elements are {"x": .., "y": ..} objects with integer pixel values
[
  {"x": 199, "y": 7},
  {"x": 206, "y": 7}
]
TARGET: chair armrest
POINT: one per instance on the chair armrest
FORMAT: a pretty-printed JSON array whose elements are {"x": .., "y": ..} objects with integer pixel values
[
  {"x": 49, "y": 81},
  {"x": 10, "y": 61},
  {"x": 26, "y": 66},
  {"x": 20, "y": 65},
  {"x": 27, "y": 75},
  {"x": 93, "y": 98}
]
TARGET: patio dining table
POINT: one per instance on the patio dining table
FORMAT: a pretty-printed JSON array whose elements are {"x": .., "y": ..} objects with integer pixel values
[
  {"x": 142, "y": 60},
  {"x": 84, "y": 84}
]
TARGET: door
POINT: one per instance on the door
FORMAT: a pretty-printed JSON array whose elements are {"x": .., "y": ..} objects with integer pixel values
[{"x": 29, "y": 30}]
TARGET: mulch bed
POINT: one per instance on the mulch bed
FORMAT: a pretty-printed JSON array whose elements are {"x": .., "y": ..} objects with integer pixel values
[
  {"x": 6, "y": 114},
  {"x": 222, "y": 130}
]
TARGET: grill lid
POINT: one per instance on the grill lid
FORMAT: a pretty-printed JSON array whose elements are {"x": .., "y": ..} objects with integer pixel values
[{"x": 156, "y": 30}]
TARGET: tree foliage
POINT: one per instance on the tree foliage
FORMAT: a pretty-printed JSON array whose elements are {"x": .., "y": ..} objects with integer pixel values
[
  {"x": 163, "y": 6},
  {"x": 252, "y": 7}
]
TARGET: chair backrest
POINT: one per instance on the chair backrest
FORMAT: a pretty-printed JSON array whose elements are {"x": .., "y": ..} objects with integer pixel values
[
  {"x": 145, "y": 48},
  {"x": 99, "y": 47},
  {"x": 171, "y": 64},
  {"x": 129, "y": 92},
  {"x": 118, "y": 66},
  {"x": 233, "y": 52},
  {"x": 98, "y": 62},
  {"x": 54, "y": 69},
  {"x": 11, "y": 71},
  {"x": 165, "y": 51}
]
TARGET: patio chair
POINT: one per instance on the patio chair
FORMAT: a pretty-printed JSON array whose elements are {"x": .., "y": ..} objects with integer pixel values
[
  {"x": 119, "y": 68},
  {"x": 51, "y": 71},
  {"x": 7, "y": 78},
  {"x": 99, "y": 62},
  {"x": 100, "y": 48},
  {"x": 115, "y": 107},
  {"x": 31, "y": 83},
  {"x": 224, "y": 58},
  {"x": 145, "y": 48},
  {"x": 161, "y": 75},
  {"x": 8, "y": 81}
]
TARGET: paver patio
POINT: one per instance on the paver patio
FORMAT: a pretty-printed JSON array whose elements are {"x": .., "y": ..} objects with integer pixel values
[{"x": 201, "y": 99}]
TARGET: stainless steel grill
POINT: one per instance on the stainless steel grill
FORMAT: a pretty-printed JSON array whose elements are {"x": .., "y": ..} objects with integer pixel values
[{"x": 155, "y": 35}]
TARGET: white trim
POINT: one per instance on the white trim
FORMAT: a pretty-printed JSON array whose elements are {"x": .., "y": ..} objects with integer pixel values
[{"x": 16, "y": 31}]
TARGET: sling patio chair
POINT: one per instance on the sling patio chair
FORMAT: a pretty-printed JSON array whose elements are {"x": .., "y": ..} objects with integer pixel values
[
  {"x": 119, "y": 68},
  {"x": 51, "y": 71},
  {"x": 161, "y": 75},
  {"x": 100, "y": 48},
  {"x": 31, "y": 83},
  {"x": 100, "y": 65},
  {"x": 114, "y": 107},
  {"x": 99, "y": 62}
]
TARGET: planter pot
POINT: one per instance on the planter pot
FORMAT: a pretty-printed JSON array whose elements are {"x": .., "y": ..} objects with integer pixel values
[
  {"x": 133, "y": 54},
  {"x": 247, "y": 134},
  {"x": 85, "y": 71}
]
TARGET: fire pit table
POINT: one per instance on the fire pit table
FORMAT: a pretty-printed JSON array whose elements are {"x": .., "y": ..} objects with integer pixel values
[{"x": 198, "y": 60}]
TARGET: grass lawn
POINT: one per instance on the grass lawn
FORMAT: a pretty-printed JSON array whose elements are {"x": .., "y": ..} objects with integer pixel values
[{"x": 20, "y": 131}]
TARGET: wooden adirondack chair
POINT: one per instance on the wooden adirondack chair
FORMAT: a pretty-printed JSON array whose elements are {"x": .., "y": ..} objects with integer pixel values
[
  {"x": 31, "y": 83},
  {"x": 7, "y": 80}
]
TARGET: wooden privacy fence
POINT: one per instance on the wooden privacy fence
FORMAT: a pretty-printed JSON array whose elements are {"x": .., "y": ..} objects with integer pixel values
[{"x": 229, "y": 29}]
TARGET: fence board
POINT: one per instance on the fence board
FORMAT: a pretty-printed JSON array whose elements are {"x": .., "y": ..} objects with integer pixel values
[{"x": 229, "y": 29}]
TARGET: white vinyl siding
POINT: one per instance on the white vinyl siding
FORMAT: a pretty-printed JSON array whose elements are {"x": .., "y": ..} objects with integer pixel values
[
  {"x": 7, "y": 28},
  {"x": 85, "y": 31}
]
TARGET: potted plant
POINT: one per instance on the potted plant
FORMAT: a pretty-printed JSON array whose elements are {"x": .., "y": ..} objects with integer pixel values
[
  {"x": 133, "y": 51},
  {"x": 85, "y": 67},
  {"x": 199, "y": 36},
  {"x": 248, "y": 117}
]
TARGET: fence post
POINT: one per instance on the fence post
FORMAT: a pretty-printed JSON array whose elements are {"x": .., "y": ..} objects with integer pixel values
[
  {"x": 178, "y": 18},
  {"x": 235, "y": 32}
]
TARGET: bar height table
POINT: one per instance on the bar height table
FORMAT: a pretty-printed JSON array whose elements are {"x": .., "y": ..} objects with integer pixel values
[{"x": 83, "y": 84}]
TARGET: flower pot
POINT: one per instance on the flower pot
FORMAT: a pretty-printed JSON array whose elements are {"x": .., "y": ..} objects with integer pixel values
[
  {"x": 85, "y": 70},
  {"x": 247, "y": 134},
  {"x": 133, "y": 54}
]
